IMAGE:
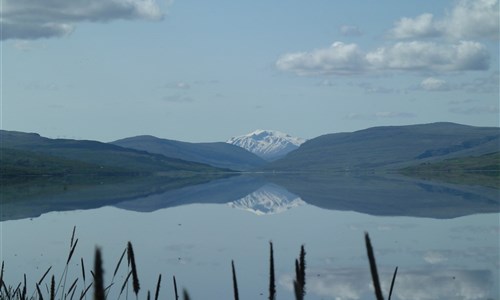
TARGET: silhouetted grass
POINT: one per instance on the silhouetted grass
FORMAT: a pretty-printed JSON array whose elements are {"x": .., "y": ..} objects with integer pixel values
[{"x": 101, "y": 292}]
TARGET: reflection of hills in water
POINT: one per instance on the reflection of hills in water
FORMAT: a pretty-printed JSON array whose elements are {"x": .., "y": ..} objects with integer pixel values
[
  {"x": 267, "y": 200},
  {"x": 389, "y": 195}
]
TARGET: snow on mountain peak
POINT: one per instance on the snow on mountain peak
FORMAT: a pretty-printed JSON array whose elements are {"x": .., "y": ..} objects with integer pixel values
[{"x": 268, "y": 144}]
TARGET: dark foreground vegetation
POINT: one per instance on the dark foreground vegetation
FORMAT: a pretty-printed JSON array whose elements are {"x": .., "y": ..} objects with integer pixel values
[{"x": 95, "y": 287}]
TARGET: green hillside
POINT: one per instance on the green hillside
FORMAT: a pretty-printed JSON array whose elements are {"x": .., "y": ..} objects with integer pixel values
[
  {"x": 27, "y": 163},
  {"x": 389, "y": 147},
  {"x": 95, "y": 154},
  {"x": 480, "y": 170},
  {"x": 222, "y": 155}
]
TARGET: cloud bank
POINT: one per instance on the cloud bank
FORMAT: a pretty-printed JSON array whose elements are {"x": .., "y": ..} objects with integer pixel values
[
  {"x": 28, "y": 19},
  {"x": 341, "y": 58},
  {"x": 469, "y": 19},
  {"x": 423, "y": 43}
]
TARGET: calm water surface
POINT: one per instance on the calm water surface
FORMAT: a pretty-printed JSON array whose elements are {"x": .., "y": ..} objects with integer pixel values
[{"x": 444, "y": 238}]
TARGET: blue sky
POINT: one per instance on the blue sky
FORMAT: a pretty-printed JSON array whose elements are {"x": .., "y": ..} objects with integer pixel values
[{"x": 208, "y": 70}]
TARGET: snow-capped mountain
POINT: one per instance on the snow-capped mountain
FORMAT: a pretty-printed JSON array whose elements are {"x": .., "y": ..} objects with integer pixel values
[
  {"x": 268, "y": 144},
  {"x": 267, "y": 200}
]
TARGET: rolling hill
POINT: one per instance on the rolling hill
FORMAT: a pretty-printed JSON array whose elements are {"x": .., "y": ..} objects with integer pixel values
[
  {"x": 218, "y": 154},
  {"x": 389, "y": 147},
  {"x": 93, "y": 153}
]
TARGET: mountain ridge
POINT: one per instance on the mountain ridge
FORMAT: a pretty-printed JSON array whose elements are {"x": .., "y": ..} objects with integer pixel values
[{"x": 217, "y": 154}]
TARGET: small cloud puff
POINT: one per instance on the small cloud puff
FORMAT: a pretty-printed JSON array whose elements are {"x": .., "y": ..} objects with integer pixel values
[
  {"x": 347, "y": 30},
  {"x": 434, "y": 84}
]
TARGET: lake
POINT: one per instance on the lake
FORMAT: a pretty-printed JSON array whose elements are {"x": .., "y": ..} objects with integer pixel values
[{"x": 443, "y": 237}]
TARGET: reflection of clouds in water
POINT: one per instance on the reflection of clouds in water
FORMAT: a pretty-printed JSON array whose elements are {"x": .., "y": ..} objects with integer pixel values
[
  {"x": 435, "y": 257},
  {"x": 478, "y": 229},
  {"x": 444, "y": 284},
  {"x": 486, "y": 255},
  {"x": 353, "y": 284},
  {"x": 348, "y": 284}
]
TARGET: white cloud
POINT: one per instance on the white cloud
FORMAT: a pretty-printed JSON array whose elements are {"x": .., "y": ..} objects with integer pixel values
[
  {"x": 434, "y": 84},
  {"x": 342, "y": 58},
  {"x": 25, "y": 19},
  {"x": 348, "y": 30},
  {"x": 469, "y": 19},
  {"x": 339, "y": 58},
  {"x": 421, "y": 26}
]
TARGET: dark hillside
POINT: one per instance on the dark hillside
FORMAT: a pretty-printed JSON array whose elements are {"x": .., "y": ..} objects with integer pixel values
[
  {"x": 97, "y": 153},
  {"x": 222, "y": 155},
  {"x": 389, "y": 147}
]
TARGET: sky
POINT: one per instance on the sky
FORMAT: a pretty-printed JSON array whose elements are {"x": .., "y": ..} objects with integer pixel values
[{"x": 205, "y": 71}]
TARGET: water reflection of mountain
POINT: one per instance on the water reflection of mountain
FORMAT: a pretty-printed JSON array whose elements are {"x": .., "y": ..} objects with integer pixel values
[
  {"x": 30, "y": 198},
  {"x": 370, "y": 194},
  {"x": 269, "y": 199},
  {"x": 216, "y": 191},
  {"x": 391, "y": 195}
]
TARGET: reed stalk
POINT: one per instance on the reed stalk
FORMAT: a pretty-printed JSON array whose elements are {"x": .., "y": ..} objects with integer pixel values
[
  {"x": 99, "y": 276},
  {"x": 392, "y": 283},
  {"x": 52, "y": 288},
  {"x": 272, "y": 280},
  {"x": 135, "y": 279},
  {"x": 157, "y": 293},
  {"x": 235, "y": 282},
  {"x": 175, "y": 290},
  {"x": 373, "y": 268},
  {"x": 185, "y": 294}
]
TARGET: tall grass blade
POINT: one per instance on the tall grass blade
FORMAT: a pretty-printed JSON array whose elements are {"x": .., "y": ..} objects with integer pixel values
[
  {"x": 119, "y": 262},
  {"x": 23, "y": 295},
  {"x": 272, "y": 280},
  {"x": 84, "y": 293},
  {"x": 296, "y": 283},
  {"x": 235, "y": 282},
  {"x": 302, "y": 265},
  {"x": 135, "y": 279},
  {"x": 99, "y": 276},
  {"x": 186, "y": 295},
  {"x": 73, "y": 285},
  {"x": 40, "y": 296},
  {"x": 52, "y": 288},
  {"x": 392, "y": 283},
  {"x": 1, "y": 277},
  {"x": 125, "y": 283},
  {"x": 157, "y": 293},
  {"x": 73, "y": 294},
  {"x": 72, "y": 237},
  {"x": 83, "y": 270},
  {"x": 175, "y": 290},
  {"x": 44, "y": 275},
  {"x": 373, "y": 268},
  {"x": 72, "y": 251}
]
